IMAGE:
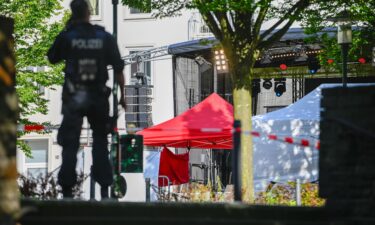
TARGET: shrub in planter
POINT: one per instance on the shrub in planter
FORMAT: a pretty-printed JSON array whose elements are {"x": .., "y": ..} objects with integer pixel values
[
  {"x": 44, "y": 187},
  {"x": 284, "y": 194}
]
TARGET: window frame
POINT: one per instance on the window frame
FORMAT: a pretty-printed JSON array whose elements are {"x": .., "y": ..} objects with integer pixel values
[
  {"x": 135, "y": 16},
  {"x": 40, "y": 165},
  {"x": 98, "y": 17}
]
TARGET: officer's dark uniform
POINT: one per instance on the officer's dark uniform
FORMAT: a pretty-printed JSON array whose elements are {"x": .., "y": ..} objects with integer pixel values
[{"x": 87, "y": 50}]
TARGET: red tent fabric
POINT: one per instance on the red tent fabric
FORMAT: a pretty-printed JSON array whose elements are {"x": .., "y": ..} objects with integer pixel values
[
  {"x": 206, "y": 125},
  {"x": 175, "y": 167}
]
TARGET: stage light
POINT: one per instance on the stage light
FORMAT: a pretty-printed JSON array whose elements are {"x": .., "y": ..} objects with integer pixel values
[
  {"x": 220, "y": 61},
  {"x": 362, "y": 60},
  {"x": 267, "y": 84},
  {"x": 280, "y": 86},
  {"x": 313, "y": 65},
  {"x": 283, "y": 66}
]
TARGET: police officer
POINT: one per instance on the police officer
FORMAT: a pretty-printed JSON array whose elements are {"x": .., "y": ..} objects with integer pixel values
[{"x": 87, "y": 50}]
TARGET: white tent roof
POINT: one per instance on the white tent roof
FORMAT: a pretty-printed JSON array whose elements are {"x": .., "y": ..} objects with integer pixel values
[{"x": 282, "y": 162}]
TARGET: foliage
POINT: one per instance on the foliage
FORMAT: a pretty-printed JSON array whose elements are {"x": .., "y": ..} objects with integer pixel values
[
  {"x": 36, "y": 25},
  {"x": 45, "y": 187},
  {"x": 194, "y": 192},
  {"x": 363, "y": 18},
  {"x": 275, "y": 194},
  {"x": 284, "y": 194}
]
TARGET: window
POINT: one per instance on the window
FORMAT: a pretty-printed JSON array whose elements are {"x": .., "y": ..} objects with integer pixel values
[
  {"x": 138, "y": 11},
  {"x": 36, "y": 172},
  {"x": 204, "y": 29},
  {"x": 37, "y": 165},
  {"x": 144, "y": 67},
  {"x": 135, "y": 13},
  {"x": 95, "y": 9}
]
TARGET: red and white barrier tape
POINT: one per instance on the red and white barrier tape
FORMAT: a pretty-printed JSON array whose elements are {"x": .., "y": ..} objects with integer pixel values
[
  {"x": 290, "y": 140},
  {"x": 287, "y": 139}
]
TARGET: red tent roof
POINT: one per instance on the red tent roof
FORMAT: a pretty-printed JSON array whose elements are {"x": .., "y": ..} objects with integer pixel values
[{"x": 206, "y": 125}]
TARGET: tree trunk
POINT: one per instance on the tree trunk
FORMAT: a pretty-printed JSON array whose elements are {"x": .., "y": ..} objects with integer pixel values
[
  {"x": 9, "y": 193},
  {"x": 242, "y": 111}
]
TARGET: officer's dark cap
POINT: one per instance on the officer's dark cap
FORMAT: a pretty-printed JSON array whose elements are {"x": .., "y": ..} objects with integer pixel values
[{"x": 79, "y": 8}]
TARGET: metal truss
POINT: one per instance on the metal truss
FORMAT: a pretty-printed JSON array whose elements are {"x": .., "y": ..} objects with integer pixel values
[
  {"x": 298, "y": 87},
  {"x": 144, "y": 56}
]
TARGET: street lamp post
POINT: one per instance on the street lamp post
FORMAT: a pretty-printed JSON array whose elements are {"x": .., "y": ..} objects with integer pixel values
[{"x": 344, "y": 38}]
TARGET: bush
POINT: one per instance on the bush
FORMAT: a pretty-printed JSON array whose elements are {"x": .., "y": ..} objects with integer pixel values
[
  {"x": 284, "y": 194},
  {"x": 45, "y": 187}
]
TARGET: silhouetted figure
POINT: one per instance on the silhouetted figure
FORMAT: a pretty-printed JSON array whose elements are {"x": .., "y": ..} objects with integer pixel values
[{"x": 87, "y": 51}]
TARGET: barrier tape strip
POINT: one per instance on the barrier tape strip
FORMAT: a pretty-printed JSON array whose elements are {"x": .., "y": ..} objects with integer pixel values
[{"x": 287, "y": 139}]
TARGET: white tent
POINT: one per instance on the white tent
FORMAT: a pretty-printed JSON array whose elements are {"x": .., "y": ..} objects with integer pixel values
[{"x": 280, "y": 161}]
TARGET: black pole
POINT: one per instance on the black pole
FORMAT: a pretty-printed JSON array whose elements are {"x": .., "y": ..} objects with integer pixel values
[
  {"x": 115, "y": 3},
  {"x": 236, "y": 161},
  {"x": 92, "y": 185},
  {"x": 344, "y": 55},
  {"x": 114, "y": 146},
  {"x": 148, "y": 186},
  {"x": 115, "y": 100}
]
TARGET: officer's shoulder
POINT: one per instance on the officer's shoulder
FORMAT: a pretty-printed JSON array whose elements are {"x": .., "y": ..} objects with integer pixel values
[{"x": 100, "y": 28}]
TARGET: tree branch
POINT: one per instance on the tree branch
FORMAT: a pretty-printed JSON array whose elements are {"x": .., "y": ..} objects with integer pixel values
[
  {"x": 262, "y": 14},
  {"x": 209, "y": 19},
  {"x": 233, "y": 18},
  {"x": 301, "y": 4},
  {"x": 225, "y": 25},
  {"x": 277, "y": 35},
  {"x": 244, "y": 24}
]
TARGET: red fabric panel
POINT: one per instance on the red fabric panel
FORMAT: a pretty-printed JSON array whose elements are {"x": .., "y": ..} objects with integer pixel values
[{"x": 175, "y": 167}]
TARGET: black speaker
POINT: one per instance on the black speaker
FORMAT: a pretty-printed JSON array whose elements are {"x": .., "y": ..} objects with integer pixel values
[{"x": 255, "y": 87}]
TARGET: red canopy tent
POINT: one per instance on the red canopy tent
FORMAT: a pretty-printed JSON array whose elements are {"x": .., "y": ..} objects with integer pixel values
[{"x": 206, "y": 125}]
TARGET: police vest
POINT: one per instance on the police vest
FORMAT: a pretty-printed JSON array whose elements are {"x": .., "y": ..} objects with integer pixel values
[{"x": 85, "y": 63}]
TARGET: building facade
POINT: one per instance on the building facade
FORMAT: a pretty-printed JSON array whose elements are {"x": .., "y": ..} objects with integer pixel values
[
  {"x": 178, "y": 82},
  {"x": 137, "y": 31}
]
